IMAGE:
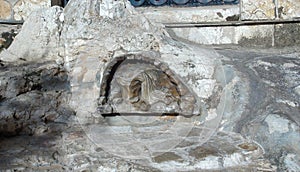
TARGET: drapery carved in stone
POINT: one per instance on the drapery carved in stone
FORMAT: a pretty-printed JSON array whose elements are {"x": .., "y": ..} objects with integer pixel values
[{"x": 138, "y": 84}]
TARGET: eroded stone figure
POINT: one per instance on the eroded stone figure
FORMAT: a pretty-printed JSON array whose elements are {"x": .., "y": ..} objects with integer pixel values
[
  {"x": 152, "y": 86},
  {"x": 139, "y": 86}
]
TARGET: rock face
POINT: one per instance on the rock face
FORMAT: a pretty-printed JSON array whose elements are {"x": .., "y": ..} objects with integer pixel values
[
  {"x": 31, "y": 98},
  {"x": 143, "y": 101},
  {"x": 43, "y": 34},
  {"x": 273, "y": 103}
]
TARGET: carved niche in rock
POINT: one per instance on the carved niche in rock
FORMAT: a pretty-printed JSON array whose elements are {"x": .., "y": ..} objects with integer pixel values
[{"x": 139, "y": 84}]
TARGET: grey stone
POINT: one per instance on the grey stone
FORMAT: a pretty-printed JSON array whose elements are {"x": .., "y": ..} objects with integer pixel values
[
  {"x": 297, "y": 90},
  {"x": 285, "y": 35}
]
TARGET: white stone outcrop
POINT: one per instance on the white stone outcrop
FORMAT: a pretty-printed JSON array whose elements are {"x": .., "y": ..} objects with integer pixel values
[{"x": 39, "y": 39}]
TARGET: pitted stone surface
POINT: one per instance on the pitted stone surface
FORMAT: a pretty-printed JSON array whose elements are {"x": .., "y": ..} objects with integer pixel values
[
  {"x": 288, "y": 9},
  {"x": 23, "y": 8},
  {"x": 257, "y": 10}
]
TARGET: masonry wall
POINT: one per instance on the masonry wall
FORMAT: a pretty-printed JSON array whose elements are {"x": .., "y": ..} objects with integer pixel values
[
  {"x": 18, "y": 10},
  {"x": 270, "y": 9},
  {"x": 246, "y": 10}
]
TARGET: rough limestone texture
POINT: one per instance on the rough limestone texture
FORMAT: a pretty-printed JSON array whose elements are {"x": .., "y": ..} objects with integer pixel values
[
  {"x": 27, "y": 88},
  {"x": 20, "y": 9},
  {"x": 23, "y": 8},
  {"x": 54, "y": 90},
  {"x": 288, "y": 9},
  {"x": 5, "y": 10},
  {"x": 273, "y": 102},
  {"x": 257, "y": 10},
  {"x": 43, "y": 33}
]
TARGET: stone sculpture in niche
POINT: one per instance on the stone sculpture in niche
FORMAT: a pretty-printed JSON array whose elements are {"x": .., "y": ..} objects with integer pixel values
[
  {"x": 139, "y": 84},
  {"x": 152, "y": 86}
]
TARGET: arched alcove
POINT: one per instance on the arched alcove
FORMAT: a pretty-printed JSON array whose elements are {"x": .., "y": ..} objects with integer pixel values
[{"x": 139, "y": 84}]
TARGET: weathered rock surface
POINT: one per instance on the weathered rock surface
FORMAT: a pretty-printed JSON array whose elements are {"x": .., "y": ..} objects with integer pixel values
[
  {"x": 288, "y": 9},
  {"x": 43, "y": 34},
  {"x": 33, "y": 98},
  {"x": 271, "y": 116},
  {"x": 105, "y": 56},
  {"x": 23, "y": 8},
  {"x": 257, "y": 10}
]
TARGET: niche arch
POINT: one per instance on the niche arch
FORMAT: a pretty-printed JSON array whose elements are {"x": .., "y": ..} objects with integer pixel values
[{"x": 137, "y": 83}]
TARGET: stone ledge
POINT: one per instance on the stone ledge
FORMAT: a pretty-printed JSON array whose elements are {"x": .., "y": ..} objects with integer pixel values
[
  {"x": 190, "y": 14},
  {"x": 278, "y": 35}
]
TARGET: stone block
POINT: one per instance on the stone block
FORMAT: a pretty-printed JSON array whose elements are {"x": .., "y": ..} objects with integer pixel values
[
  {"x": 207, "y": 35},
  {"x": 257, "y": 10},
  {"x": 255, "y": 36},
  {"x": 287, "y": 35},
  {"x": 288, "y": 9},
  {"x": 193, "y": 15},
  {"x": 245, "y": 35},
  {"x": 5, "y": 10},
  {"x": 23, "y": 8}
]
